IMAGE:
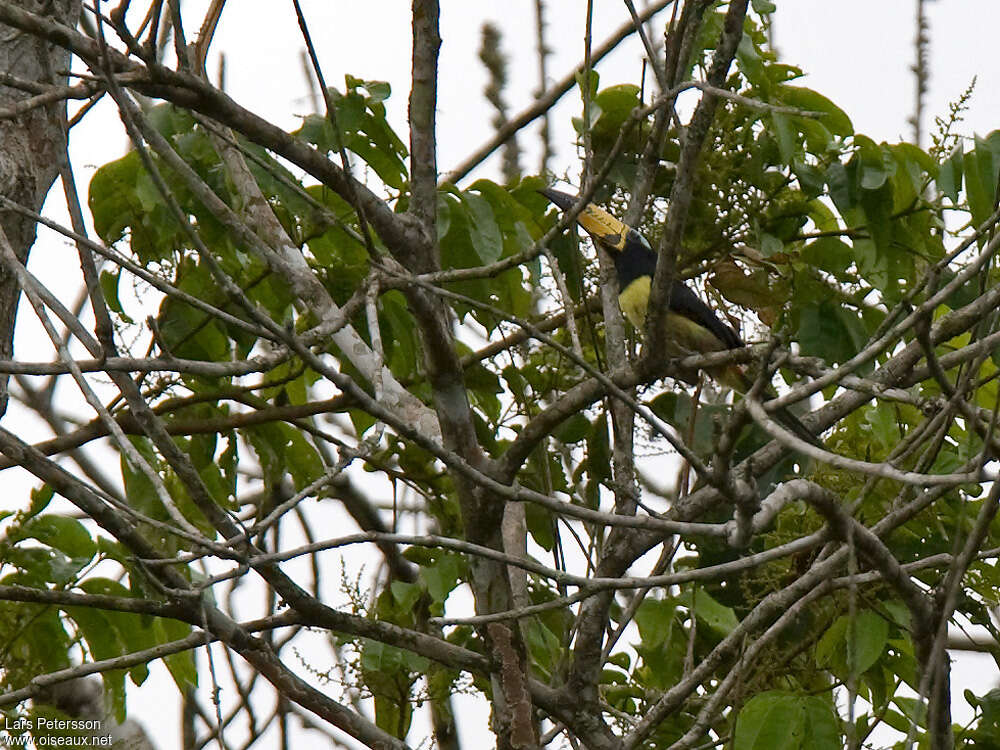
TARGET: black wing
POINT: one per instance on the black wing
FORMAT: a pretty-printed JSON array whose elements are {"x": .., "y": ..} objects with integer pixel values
[{"x": 685, "y": 302}]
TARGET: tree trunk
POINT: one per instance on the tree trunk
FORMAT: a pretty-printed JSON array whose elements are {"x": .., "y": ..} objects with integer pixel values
[{"x": 31, "y": 145}]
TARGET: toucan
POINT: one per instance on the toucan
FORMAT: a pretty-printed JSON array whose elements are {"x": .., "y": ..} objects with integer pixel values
[{"x": 693, "y": 327}]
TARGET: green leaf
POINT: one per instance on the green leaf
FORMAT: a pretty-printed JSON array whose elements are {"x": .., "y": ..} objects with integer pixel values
[
  {"x": 317, "y": 130},
  {"x": 41, "y": 640},
  {"x": 770, "y": 245},
  {"x": 442, "y": 576},
  {"x": 599, "y": 450},
  {"x": 653, "y": 618},
  {"x": 877, "y": 205},
  {"x": 583, "y": 81},
  {"x": 949, "y": 180},
  {"x": 718, "y": 617},
  {"x": 695, "y": 420},
  {"x": 392, "y": 715},
  {"x": 40, "y": 498},
  {"x": 136, "y": 632},
  {"x": 830, "y": 330},
  {"x": 543, "y": 645},
  {"x": 378, "y": 91},
  {"x": 986, "y": 732},
  {"x": 486, "y": 238},
  {"x": 573, "y": 430},
  {"x": 122, "y": 197},
  {"x": 540, "y": 525},
  {"x": 181, "y": 665},
  {"x": 819, "y": 140},
  {"x": 389, "y": 167},
  {"x": 810, "y": 178},
  {"x": 873, "y": 176},
  {"x": 913, "y": 709},
  {"x": 186, "y": 331},
  {"x": 615, "y": 105},
  {"x": 841, "y": 181},
  {"x": 771, "y": 721},
  {"x": 751, "y": 63},
  {"x": 784, "y": 136},
  {"x": 883, "y": 427},
  {"x": 777, "y": 720},
  {"x": 102, "y": 639},
  {"x": 401, "y": 348},
  {"x": 62, "y": 533},
  {"x": 662, "y": 644},
  {"x": 405, "y": 594},
  {"x": 170, "y": 120},
  {"x": 981, "y": 168},
  {"x": 380, "y": 657},
  {"x": 109, "y": 290},
  {"x": 876, "y": 164},
  {"x": 823, "y": 729},
  {"x": 834, "y": 118},
  {"x": 915, "y": 165},
  {"x": 845, "y": 650},
  {"x": 283, "y": 450},
  {"x": 37, "y": 566},
  {"x": 361, "y": 120},
  {"x": 828, "y": 254},
  {"x": 109, "y": 197}
]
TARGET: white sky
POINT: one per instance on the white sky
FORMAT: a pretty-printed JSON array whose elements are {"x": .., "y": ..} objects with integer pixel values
[{"x": 856, "y": 52}]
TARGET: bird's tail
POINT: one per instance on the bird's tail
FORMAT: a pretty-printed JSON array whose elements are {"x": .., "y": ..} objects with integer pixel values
[{"x": 734, "y": 377}]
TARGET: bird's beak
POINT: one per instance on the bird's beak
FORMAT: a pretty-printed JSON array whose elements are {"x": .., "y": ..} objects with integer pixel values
[
  {"x": 563, "y": 200},
  {"x": 601, "y": 225}
]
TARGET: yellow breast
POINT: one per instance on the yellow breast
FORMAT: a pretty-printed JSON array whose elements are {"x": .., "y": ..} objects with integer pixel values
[{"x": 686, "y": 336}]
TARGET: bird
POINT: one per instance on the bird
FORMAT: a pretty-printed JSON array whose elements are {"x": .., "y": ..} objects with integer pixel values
[{"x": 693, "y": 327}]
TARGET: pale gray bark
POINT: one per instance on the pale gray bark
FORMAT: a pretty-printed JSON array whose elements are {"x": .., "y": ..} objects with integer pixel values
[{"x": 30, "y": 145}]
